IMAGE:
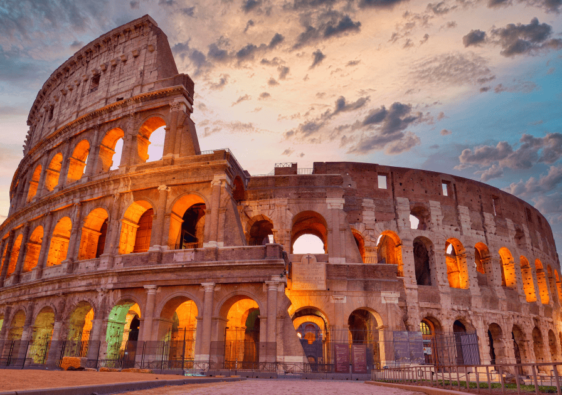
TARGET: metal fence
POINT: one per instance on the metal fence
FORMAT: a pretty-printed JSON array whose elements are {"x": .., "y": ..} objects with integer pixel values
[{"x": 535, "y": 378}]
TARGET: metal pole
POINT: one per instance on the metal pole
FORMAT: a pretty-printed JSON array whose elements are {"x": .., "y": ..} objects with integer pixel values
[
  {"x": 25, "y": 355},
  {"x": 502, "y": 380},
  {"x": 477, "y": 374},
  {"x": 556, "y": 378},
  {"x": 488, "y": 376},
  {"x": 466, "y": 377},
  {"x": 517, "y": 381},
  {"x": 535, "y": 378}
]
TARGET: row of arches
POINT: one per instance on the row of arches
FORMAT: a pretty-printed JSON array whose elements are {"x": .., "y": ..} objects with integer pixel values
[{"x": 150, "y": 147}]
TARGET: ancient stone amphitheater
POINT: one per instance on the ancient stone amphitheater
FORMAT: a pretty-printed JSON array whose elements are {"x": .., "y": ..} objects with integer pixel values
[{"x": 190, "y": 258}]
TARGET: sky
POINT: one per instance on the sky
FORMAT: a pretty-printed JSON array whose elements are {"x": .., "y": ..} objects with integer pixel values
[{"x": 466, "y": 87}]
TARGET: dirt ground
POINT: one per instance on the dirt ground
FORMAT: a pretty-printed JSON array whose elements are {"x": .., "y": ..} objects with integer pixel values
[
  {"x": 34, "y": 379},
  {"x": 277, "y": 387}
]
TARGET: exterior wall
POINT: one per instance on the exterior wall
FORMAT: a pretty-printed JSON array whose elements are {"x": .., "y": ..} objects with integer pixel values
[{"x": 340, "y": 202}]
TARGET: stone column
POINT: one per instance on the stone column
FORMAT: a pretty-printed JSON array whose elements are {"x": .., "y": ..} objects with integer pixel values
[
  {"x": 171, "y": 131},
  {"x": 21, "y": 256},
  {"x": 41, "y": 187},
  {"x": 149, "y": 312},
  {"x": 216, "y": 186},
  {"x": 112, "y": 241},
  {"x": 45, "y": 245},
  {"x": 94, "y": 341},
  {"x": 26, "y": 333},
  {"x": 205, "y": 347},
  {"x": 65, "y": 165},
  {"x": 93, "y": 157},
  {"x": 6, "y": 257},
  {"x": 271, "y": 347},
  {"x": 157, "y": 237},
  {"x": 73, "y": 244},
  {"x": 56, "y": 344}
]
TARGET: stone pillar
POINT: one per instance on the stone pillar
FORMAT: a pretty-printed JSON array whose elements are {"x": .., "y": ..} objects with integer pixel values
[
  {"x": 335, "y": 205},
  {"x": 26, "y": 333},
  {"x": 157, "y": 237},
  {"x": 95, "y": 334},
  {"x": 74, "y": 243},
  {"x": 6, "y": 257},
  {"x": 216, "y": 186},
  {"x": 112, "y": 241},
  {"x": 56, "y": 344},
  {"x": 65, "y": 165},
  {"x": 171, "y": 131},
  {"x": 149, "y": 312},
  {"x": 41, "y": 187},
  {"x": 205, "y": 347},
  {"x": 92, "y": 157},
  {"x": 45, "y": 245},
  {"x": 271, "y": 347},
  {"x": 21, "y": 256}
]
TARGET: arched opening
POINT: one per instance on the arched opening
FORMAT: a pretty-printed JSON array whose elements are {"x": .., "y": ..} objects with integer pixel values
[
  {"x": 178, "y": 325},
  {"x": 481, "y": 258},
  {"x": 551, "y": 282},
  {"x": 123, "y": 333},
  {"x": 430, "y": 328},
  {"x": 309, "y": 223},
  {"x": 14, "y": 256},
  {"x": 552, "y": 346},
  {"x": 261, "y": 231},
  {"x": 242, "y": 332},
  {"x": 363, "y": 330},
  {"x": 414, "y": 222},
  {"x": 455, "y": 258},
  {"x": 77, "y": 162},
  {"x": 111, "y": 145},
  {"x": 558, "y": 286},
  {"x": 34, "y": 183},
  {"x": 16, "y": 327},
  {"x": 360, "y": 243},
  {"x": 519, "y": 347},
  {"x": 312, "y": 327},
  {"x": 538, "y": 345},
  {"x": 41, "y": 336},
  {"x": 308, "y": 244},
  {"x": 52, "y": 174},
  {"x": 59, "y": 242},
  {"x": 419, "y": 217},
  {"x": 79, "y": 328},
  {"x": 1, "y": 321},
  {"x": 33, "y": 249},
  {"x": 495, "y": 340},
  {"x": 528, "y": 283},
  {"x": 459, "y": 331},
  {"x": 423, "y": 260},
  {"x": 187, "y": 223},
  {"x": 509, "y": 278},
  {"x": 541, "y": 280},
  {"x": 94, "y": 232},
  {"x": 152, "y": 133},
  {"x": 136, "y": 228},
  {"x": 238, "y": 190},
  {"x": 389, "y": 250}
]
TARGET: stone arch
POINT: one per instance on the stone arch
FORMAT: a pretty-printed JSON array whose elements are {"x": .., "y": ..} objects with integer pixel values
[
  {"x": 551, "y": 282},
  {"x": 509, "y": 277},
  {"x": 33, "y": 249},
  {"x": 16, "y": 248},
  {"x": 542, "y": 282},
  {"x": 43, "y": 326},
  {"x": 538, "y": 345},
  {"x": 107, "y": 149},
  {"x": 424, "y": 260},
  {"x": 136, "y": 228},
  {"x": 94, "y": 232},
  {"x": 481, "y": 261},
  {"x": 312, "y": 314},
  {"x": 519, "y": 345},
  {"x": 187, "y": 221},
  {"x": 552, "y": 345},
  {"x": 496, "y": 344},
  {"x": 123, "y": 327},
  {"x": 178, "y": 323},
  {"x": 431, "y": 329},
  {"x": 363, "y": 328},
  {"x": 420, "y": 216},
  {"x": 312, "y": 223},
  {"x": 360, "y": 243},
  {"x": 79, "y": 321},
  {"x": 389, "y": 250},
  {"x": 558, "y": 285},
  {"x": 528, "y": 282},
  {"x": 148, "y": 127},
  {"x": 59, "y": 242},
  {"x": 77, "y": 161},
  {"x": 455, "y": 258},
  {"x": 17, "y": 322},
  {"x": 238, "y": 190},
  {"x": 34, "y": 182},
  {"x": 260, "y": 227},
  {"x": 52, "y": 173},
  {"x": 224, "y": 304}
]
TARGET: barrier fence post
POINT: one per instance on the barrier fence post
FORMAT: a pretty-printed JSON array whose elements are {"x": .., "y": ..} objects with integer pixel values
[
  {"x": 477, "y": 374},
  {"x": 458, "y": 378},
  {"x": 556, "y": 378},
  {"x": 517, "y": 381},
  {"x": 502, "y": 382},
  {"x": 488, "y": 376},
  {"x": 535, "y": 378},
  {"x": 466, "y": 378}
]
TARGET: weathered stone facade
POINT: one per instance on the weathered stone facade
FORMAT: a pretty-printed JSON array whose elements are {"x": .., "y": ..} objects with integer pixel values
[{"x": 87, "y": 250}]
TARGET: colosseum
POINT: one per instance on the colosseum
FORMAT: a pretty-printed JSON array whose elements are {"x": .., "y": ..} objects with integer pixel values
[{"x": 189, "y": 259}]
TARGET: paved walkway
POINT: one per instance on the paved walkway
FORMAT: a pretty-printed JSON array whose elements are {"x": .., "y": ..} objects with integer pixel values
[{"x": 277, "y": 387}]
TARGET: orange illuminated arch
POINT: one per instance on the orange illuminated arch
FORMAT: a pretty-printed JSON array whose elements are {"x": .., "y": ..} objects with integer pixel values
[
  {"x": 33, "y": 249},
  {"x": 551, "y": 282},
  {"x": 311, "y": 223},
  {"x": 389, "y": 250},
  {"x": 107, "y": 149},
  {"x": 94, "y": 232},
  {"x": 14, "y": 255},
  {"x": 509, "y": 277},
  {"x": 528, "y": 282},
  {"x": 455, "y": 258},
  {"x": 146, "y": 130},
  {"x": 259, "y": 229},
  {"x": 481, "y": 255},
  {"x": 52, "y": 174},
  {"x": 78, "y": 161},
  {"x": 360, "y": 242},
  {"x": 194, "y": 206},
  {"x": 558, "y": 286},
  {"x": 136, "y": 228},
  {"x": 59, "y": 242},
  {"x": 542, "y": 282},
  {"x": 34, "y": 183}
]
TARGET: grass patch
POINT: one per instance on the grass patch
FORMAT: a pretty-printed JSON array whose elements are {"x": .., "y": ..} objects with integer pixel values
[{"x": 545, "y": 389}]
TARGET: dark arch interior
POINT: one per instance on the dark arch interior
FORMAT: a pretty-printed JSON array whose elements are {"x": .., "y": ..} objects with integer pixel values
[
  {"x": 421, "y": 263},
  {"x": 101, "y": 241},
  {"x": 259, "y": 232},
  {"x": 192, "y": 226}
]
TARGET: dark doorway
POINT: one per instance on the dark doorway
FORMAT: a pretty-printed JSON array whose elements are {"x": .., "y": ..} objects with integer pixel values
[{"x": 192, "y": 227}]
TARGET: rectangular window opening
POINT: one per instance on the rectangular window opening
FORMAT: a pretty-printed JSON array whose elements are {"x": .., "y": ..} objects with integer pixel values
[
  {"x": 496, "y": 205},
  {"x": 529, "y": 216},
  {"x": 445, "y": 188},
  {"x": 382, "y": 181},
  {"x": 94, "y": 83}
]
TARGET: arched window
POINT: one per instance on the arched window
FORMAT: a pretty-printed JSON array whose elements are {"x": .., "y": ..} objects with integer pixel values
[
  {"x": 34, "y": 183},
  {"x": 151, "y": 139},
  {"x": 261, "y": 231},
  {"x": 309, "y": 223},
  {"x": 123, "y": 331},
  {"x": 94, "y": 232},
  {"x": 136, "y": 228},
  {"x": 542, "y": 282},
  {"x": 419, "y": 217},
  {"x": 77, "y": 165},
  {"x": 423, "y": 260},
  {"x": 509, "y": 278},
  {"x": 33, "y": 249},
  {"x": 110, "y": 150},
  {"x": 14, "y": 255},
  {"x": 187, "y": 223},
  {"x": 53, "y": 172},
  {"x": 455, "y": 257},
  {"x": 308, "y": 244},
  {"x": 389, "y": 250},
  {"x": 59, "y": 242},
  {"x": 360, "y": 243},
  {"x": 551, "y": 282},
  {"x": 481, "y": 259},
  {"x": 528, "y": 283}
]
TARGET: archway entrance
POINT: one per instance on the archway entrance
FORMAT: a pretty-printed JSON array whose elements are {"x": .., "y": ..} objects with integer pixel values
[
  {"x": 312, "y": 330},
  {"x": 79, "y": 327},
  {"x": 187, "y": 223},
  {"x": 495, "y": 340},
  {"x": 14, "y": 344},
  {"x": 261, "y": 231},
  {"x": 41, "y": 335},
  {"x": 538, "y": 345},
  {"x": 519, "y": 350},
  {"x": 312, "y": 226},
  {"x": 122, "y": 334},
  {"x": 430, "y": 329},
  {"x": 363, "y": 332}
]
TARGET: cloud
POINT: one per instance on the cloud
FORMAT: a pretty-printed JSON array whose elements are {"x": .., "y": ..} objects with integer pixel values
[
  {"x": 221, "y": 83},
  {"x": 344, "y": 26},
  {"x": 329, "y": 25},
  {"x": 250, "y": 5},
  {"x": 228, "y": 127},
  {"x": 241, "y": 99},
  {"x": 264, "y": 95},
  {"x": 492, "y": 172},
  {"x": 380, "y": 4},
  {"x": 424, "y": 39},
  {"x": 288, "y": 152},
  {"x": 272, "y": 82},
  {"x": 249, "y": 24},
  {"x": 545, "y": 183},
  {"x": 449, "y": 69},
  {"x": 474, "y": 38},
  {"x": 283, "y": 72},
  {"x": 352, "y": 63},
  {"x": 188, "y": 11},
  {"x": 318, "y": 58},
  {"x": 440, "y": 8},
  {"x": 520, "y": 39},
  {"x": 134, "y": 5},
  {"x": 76, "y": 45},
  {"x": 445, "y": 132},
  {"x": 484, "y": 155},
  {"x": 522, "y": 86}
]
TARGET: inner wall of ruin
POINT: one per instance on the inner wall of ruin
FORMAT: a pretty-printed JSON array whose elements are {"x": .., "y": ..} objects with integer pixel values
[{"x": 192, "y": 246}]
